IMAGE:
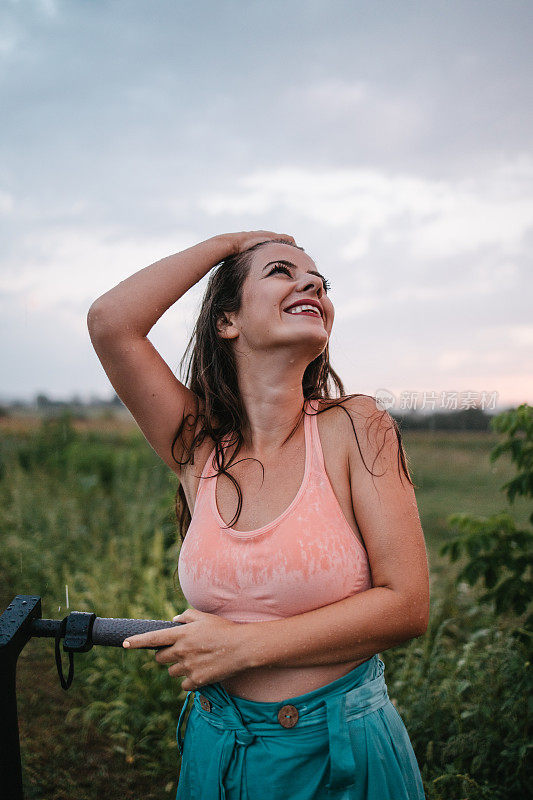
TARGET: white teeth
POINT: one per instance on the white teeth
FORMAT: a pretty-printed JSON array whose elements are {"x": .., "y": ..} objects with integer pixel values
[{"x": 298, "y": 309}]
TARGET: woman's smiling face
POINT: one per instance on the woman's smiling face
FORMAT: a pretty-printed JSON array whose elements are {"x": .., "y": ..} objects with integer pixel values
[{"x": 280, "y": 276}]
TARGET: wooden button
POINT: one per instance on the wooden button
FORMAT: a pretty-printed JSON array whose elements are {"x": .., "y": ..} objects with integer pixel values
[
  {"x": 288, "y": 716},
  {"x": 204, "y": 702}
]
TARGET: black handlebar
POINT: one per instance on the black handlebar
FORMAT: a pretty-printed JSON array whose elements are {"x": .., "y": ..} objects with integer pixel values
[
  {"x": 80, "y": 630},
  {"x": 107, "y": 631},
  {"x": 112, "y": 632}
]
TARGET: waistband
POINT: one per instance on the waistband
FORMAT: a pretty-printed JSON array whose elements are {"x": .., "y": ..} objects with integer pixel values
[{"x": 361, "y": 691}]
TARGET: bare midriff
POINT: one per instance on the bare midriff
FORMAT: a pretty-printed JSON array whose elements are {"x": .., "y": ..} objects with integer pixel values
[{"x": 273, "y": 684}]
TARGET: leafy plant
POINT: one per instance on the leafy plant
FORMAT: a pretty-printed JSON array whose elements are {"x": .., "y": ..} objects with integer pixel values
[{"x": 497, "y": 551}]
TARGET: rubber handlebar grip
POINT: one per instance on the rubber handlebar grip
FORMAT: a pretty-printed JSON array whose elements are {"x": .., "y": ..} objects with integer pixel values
[{"x": 112, "y": 632}]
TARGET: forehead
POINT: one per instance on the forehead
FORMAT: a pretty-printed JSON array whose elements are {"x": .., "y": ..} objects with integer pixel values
[{"x": 277, "y": 250}]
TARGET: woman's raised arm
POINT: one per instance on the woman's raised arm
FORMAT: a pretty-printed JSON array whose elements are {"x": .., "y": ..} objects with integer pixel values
[
  {"x": 118, "y": 324},
  {"x": 120, "y": 320}
]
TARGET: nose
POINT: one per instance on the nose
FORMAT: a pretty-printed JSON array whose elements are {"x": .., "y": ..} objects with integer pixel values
[{"x": 312, "y": 282}]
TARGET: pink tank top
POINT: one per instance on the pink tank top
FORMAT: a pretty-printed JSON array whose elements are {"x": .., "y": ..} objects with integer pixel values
[{"x": 306, "y": 558}]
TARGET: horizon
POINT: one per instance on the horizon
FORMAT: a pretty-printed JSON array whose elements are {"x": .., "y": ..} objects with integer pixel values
[{"x": 43, "y": 400}]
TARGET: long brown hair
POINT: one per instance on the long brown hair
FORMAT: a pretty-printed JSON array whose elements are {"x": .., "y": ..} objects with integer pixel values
[{"x": 212, "y": 376}]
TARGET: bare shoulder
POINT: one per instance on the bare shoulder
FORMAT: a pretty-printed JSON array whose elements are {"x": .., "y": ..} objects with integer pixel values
[
  {"x": 361, "y": 409},
  {"x": 368, "y": 431},
  {"x": 364, "y": 408}
]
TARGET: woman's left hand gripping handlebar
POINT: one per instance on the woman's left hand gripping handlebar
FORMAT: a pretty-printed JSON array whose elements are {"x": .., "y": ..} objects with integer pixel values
[{"x": 206, "y": 649}]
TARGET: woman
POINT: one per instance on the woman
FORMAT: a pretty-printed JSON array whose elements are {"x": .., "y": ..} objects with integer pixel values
[{"x": 301, "y": 526}]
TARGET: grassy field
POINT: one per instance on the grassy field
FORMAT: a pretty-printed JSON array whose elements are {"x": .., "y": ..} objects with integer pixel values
[
  {"x": 453, "y": 474},
  {"x": 90, "y": 505}
]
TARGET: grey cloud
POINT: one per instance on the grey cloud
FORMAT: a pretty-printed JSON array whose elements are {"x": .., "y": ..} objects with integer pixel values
[{"x": 123, "y": 124}]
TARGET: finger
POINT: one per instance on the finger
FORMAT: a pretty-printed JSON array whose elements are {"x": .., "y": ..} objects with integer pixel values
[
  {"x": 189, "y": 615},
  {"x": 175, "y": 671},
  {"x": 162, "y": 637},
  {"x": 166, "y": 655}
]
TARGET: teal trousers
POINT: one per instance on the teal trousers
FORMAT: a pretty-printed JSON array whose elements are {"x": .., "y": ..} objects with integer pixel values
[{"x": 343, "y": 741}]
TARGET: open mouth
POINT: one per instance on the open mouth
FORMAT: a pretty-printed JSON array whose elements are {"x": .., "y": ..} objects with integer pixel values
[{"x": 304, "y": 310}]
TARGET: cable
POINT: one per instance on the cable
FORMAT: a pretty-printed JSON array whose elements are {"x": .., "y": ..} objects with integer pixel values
[{"x": 61, "y": 632}]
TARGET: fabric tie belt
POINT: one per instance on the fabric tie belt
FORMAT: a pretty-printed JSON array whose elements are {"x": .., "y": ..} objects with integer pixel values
[{"x": 327, "y": 711}]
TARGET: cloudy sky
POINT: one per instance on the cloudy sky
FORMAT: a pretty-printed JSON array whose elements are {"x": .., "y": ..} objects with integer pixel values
[{"x": 392, "y": 140}]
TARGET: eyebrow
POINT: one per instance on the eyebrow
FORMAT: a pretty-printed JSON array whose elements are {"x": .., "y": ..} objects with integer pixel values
[{"x": 290, "y": 264}]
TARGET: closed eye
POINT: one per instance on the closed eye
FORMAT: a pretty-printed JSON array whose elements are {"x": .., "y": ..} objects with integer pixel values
[
  {"x": 280, "y": 268},
  {"x": 283, "y": 268}
]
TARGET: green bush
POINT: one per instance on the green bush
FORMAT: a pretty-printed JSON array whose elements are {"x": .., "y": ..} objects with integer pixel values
[{"x": 498, "y": 553}]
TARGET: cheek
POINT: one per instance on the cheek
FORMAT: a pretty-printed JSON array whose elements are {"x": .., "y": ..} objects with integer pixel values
[
  {"x": 330, "y": 314},
  {"x": 260, "y": 307},
  {"x": 258, "y": 315}
]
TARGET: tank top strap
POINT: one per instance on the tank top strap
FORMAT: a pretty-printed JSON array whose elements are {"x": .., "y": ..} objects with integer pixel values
[{"x": 314, "y": 436}]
